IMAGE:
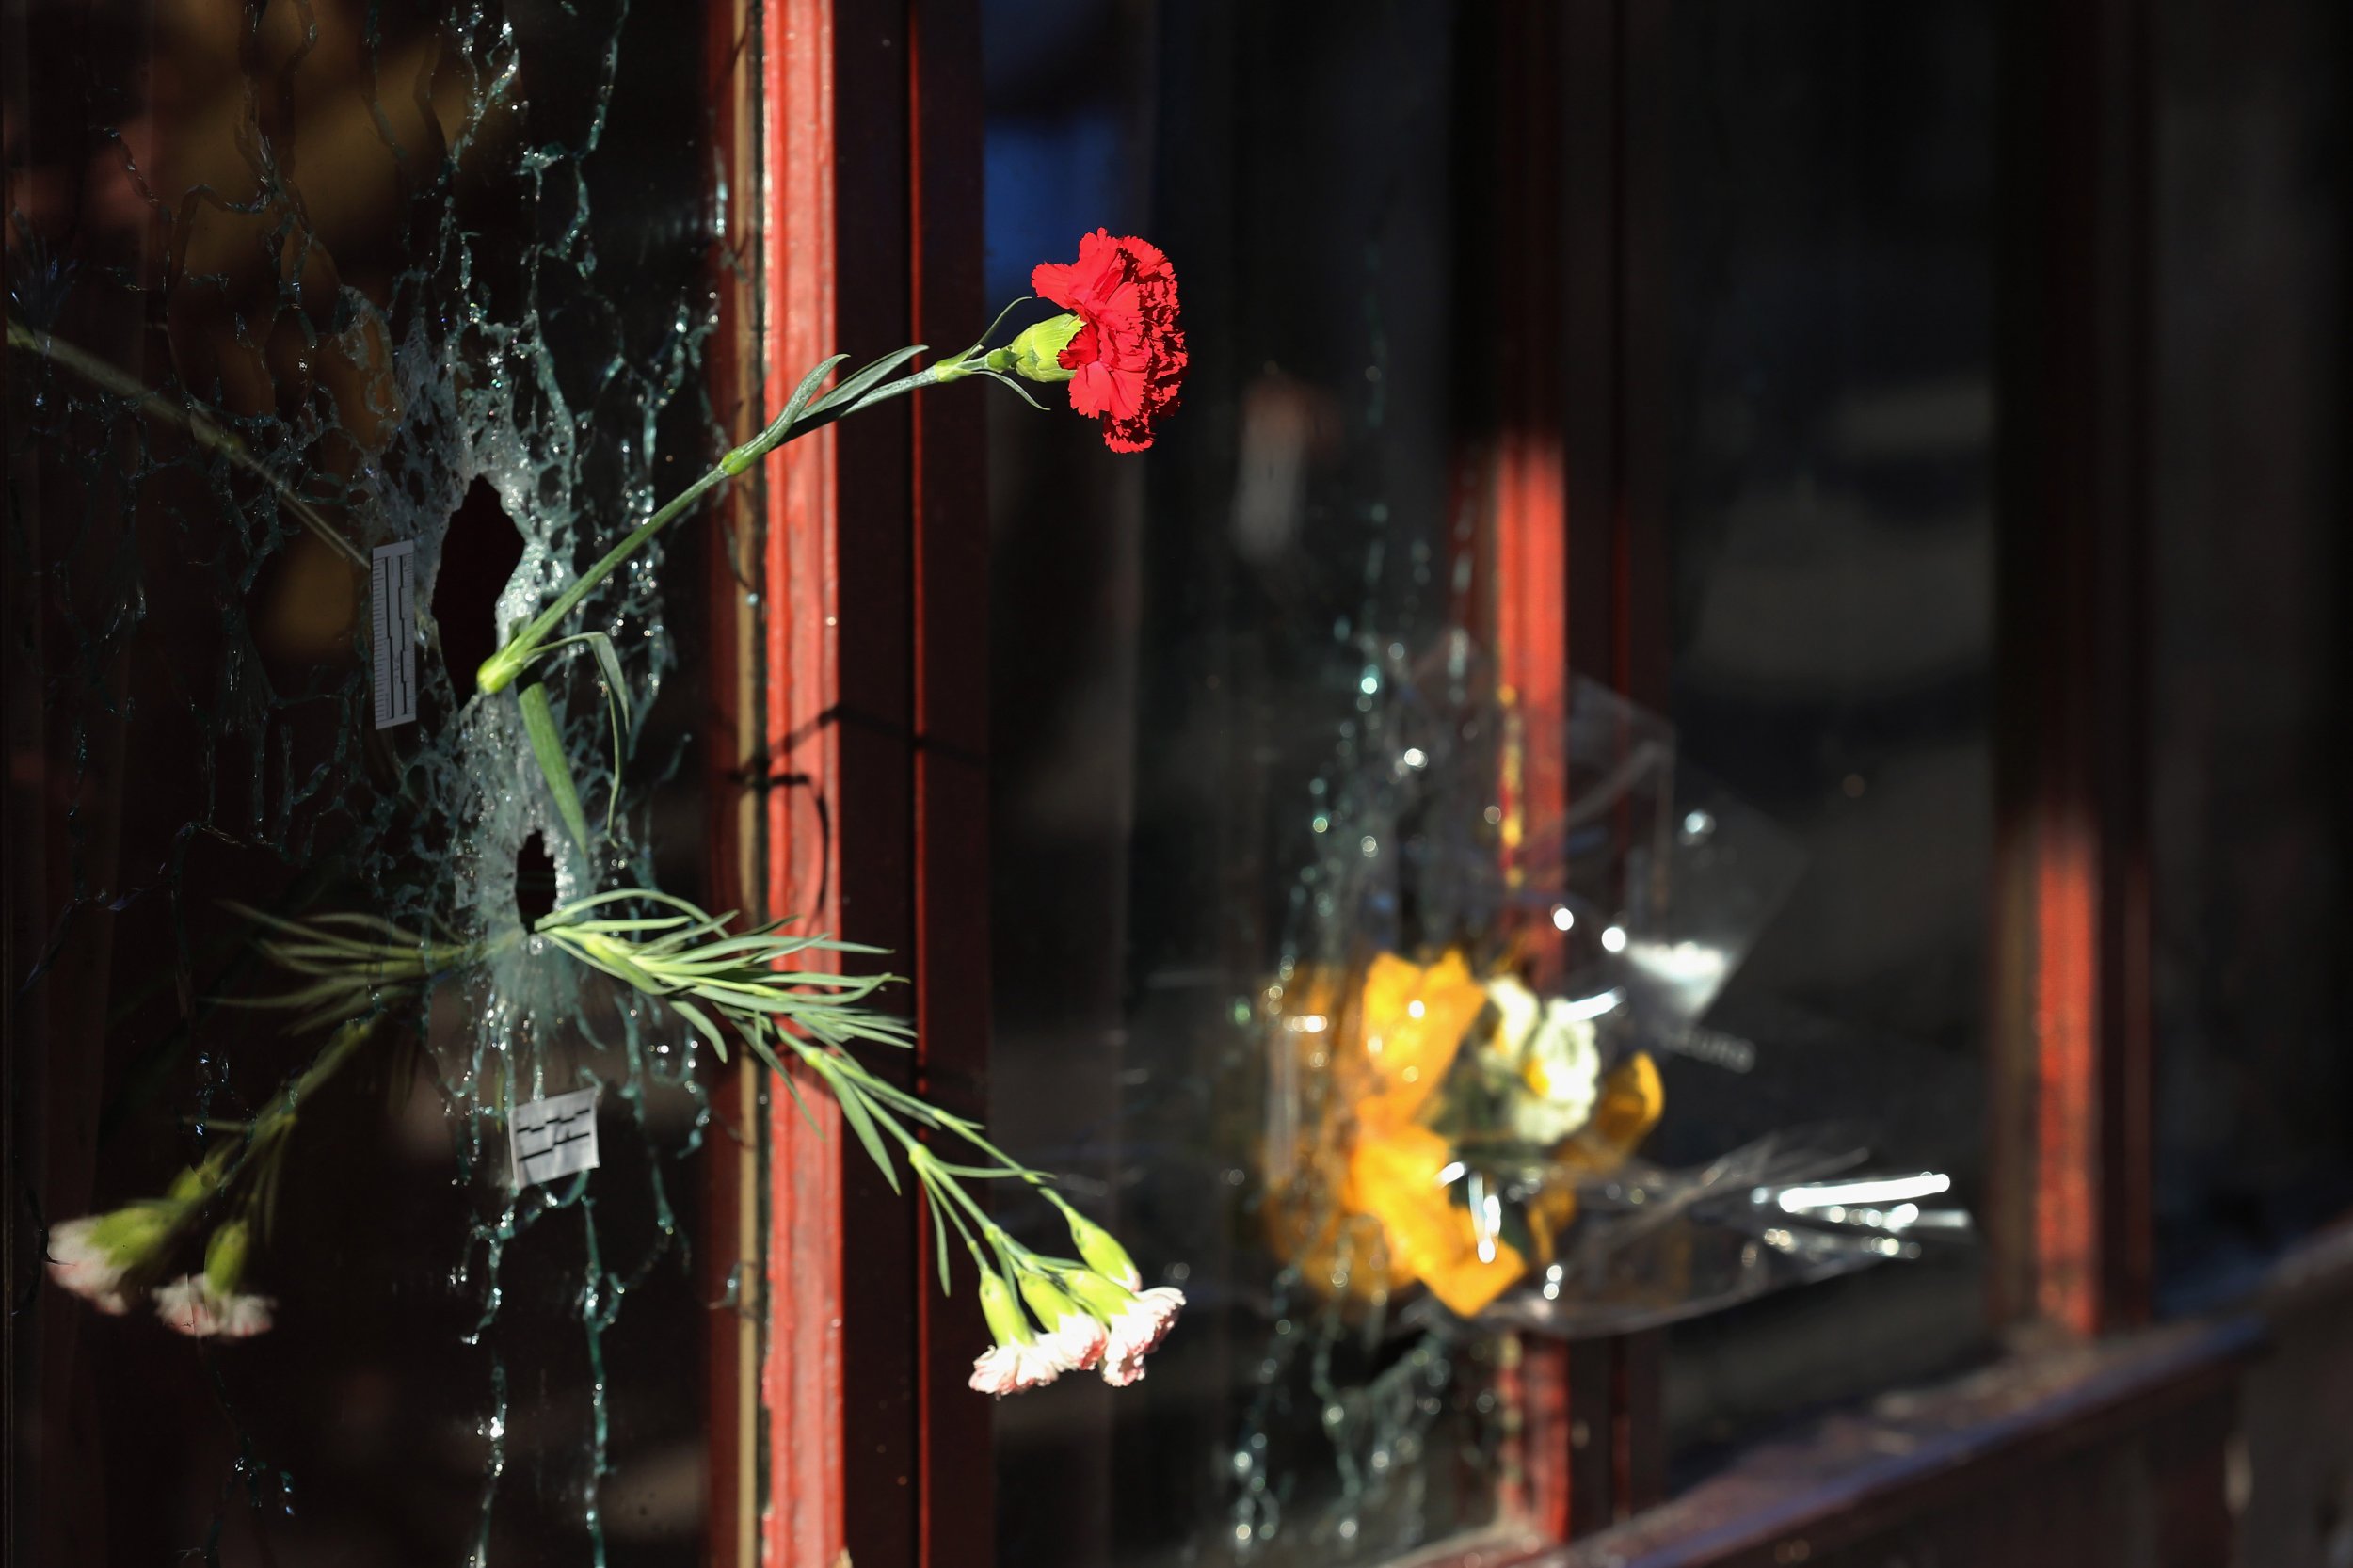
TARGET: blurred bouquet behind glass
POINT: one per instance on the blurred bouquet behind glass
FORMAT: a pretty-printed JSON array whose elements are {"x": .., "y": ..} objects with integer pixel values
[{"x": 1511, "y": 915}]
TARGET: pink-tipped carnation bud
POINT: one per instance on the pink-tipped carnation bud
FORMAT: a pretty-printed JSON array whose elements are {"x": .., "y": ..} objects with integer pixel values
[
  {"x": 93, "y": 1255},
  {"x": 1017, "y": 1362},
  {"x": 1137, "y": 1321},
  {"x": 211, "y": 1305},
  {"x": 1137, "y": 1331},
  {"x": 1103, "y": 1252},
  {"x": 84, "y": 1265},
  {"x": 190, "y": 1306},
  {"x": 1075, "y": 1335}
]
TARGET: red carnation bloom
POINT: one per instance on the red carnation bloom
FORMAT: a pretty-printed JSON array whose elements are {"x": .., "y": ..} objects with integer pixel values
[{"x": 1128, "y": 354}]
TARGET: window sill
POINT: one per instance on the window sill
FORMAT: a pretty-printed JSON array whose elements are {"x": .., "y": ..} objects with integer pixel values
[
  {"x": 2000, "y": 1443},
  {"x": 1856, "y": 1477}
]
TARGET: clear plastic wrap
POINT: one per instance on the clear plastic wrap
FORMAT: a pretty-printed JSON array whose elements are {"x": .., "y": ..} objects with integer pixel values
[{"x": 1519, "y": 912}]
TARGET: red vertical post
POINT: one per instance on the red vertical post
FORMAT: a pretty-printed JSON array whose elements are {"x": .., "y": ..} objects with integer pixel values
[
  {"x": 1577, "y": 544},
  {"x": 1528, "y": 550},
  {"x": 801, "y": 1383},
  {"x": 2070, "y": 1212},
  {"x": 875, "y": 576}
]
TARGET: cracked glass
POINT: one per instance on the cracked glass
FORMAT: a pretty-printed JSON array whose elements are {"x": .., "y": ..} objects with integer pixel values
[{"x": 288, "y": 283}]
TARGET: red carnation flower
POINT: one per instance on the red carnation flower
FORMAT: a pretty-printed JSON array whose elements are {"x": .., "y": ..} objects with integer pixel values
[{"x": 1127, "y": 356}]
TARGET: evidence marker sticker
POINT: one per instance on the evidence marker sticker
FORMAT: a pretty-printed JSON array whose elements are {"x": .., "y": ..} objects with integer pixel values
[
  {"x": 392, "y": 633},
  {"x": 554, "y": 1137}
]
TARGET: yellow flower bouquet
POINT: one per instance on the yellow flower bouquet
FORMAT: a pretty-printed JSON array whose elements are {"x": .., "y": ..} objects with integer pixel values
[{"x": 1431, "y": 1067}]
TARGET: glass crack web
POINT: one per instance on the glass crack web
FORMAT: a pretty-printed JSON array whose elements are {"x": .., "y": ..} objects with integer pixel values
[
  {"x": 288, "y": 282},
  {"x": 1347, "y": 1419}
]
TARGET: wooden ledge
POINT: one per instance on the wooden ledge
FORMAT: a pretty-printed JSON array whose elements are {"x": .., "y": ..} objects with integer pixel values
[{"x": 1856, "y": 1477}]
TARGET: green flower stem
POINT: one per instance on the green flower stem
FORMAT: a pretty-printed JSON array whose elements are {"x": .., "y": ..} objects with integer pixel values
[
  {"x": 946, "y": 1194},
  {"x": 262, "y": 1148},
  {"x": 942, "y": 1191},
  {"x": 683, "y": 957},
  {"x": 672, "y": 951},
  {"x": 938, "y": 1185},
  {"x": 972, "y": 1133},
  {"x": 500, "y": 669},
  {"x": 274, "y": 1124}
]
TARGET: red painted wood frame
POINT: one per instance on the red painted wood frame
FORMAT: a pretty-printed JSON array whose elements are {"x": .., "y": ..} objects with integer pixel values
[
  {"x": 2070, "y": 1211},
  {"x": 848, "y": 743},
  {"x": 1569, "y": 490}
]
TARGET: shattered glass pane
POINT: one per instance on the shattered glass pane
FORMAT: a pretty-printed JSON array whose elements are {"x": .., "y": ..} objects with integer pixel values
[{"x": 289, "y": 282}]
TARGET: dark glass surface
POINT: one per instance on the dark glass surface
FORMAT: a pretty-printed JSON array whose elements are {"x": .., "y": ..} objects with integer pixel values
[
  {"x": 2249, "y": 692},
  {"x": 1831, "y": 536}
]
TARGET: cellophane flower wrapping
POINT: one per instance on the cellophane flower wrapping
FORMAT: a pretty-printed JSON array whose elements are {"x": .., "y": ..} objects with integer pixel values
[{"x": 1517, "y": 909}]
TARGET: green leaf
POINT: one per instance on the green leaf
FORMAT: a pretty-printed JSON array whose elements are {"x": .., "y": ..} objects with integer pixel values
[
  {"x": 620, "y": 968},
  {"x": 608, "y": 661},
  {"x": 547, "y": 744},
  {"x": 1016, "y": 388},
  {"x": 617, "y": 712},
  {"x": 779, "y": 947},
  {"x": 621, "y": 927},
  {"x": 618, "y": 707},
  {"x": 349, "y": 917},
  {"x": 857, "y": 386},
  {"x": 977, "y": 1172},
  {"x": 853, "y": 1110},
  {"x": 981, "y": 341},
  {"x": 759, "y": 999},
  {"x": 679, "y": 939},
  {"x": 799, "y": 401},
  {"x": 703, "y": 1026},
  {"x": 794, "y": 1088},
  {"x": 570, "y": 914}
]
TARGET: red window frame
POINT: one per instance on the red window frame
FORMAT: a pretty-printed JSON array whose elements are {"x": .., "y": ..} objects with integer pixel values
[
  {"x": 855, "y": 702},
  {"x": 852, "y": 691},
  {"x": 1571, "y": 547}
]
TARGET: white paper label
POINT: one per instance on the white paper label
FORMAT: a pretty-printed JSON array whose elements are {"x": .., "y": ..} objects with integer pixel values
[
  {"x": 554, "y": 1137},
  {"x": 392, "y": 627}
]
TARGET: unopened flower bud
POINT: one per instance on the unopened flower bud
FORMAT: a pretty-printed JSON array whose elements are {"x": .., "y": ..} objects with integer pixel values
[
  {"x": 1002, "y": 1310},
  {"x": 1105, "y": 1298},
  {"x": 93, "y": 1255},
  {"x": 1074, "y": 1335},
  {"x": 132, "y": 1232},
  {"x": 1018, "y": 1360},
  {"x": 1103, "y": 1252},
  {"x": 201, "y": 1179},
  {"x": 1046, "y": 1300},
  {"x": 224, "y": 1257}
]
